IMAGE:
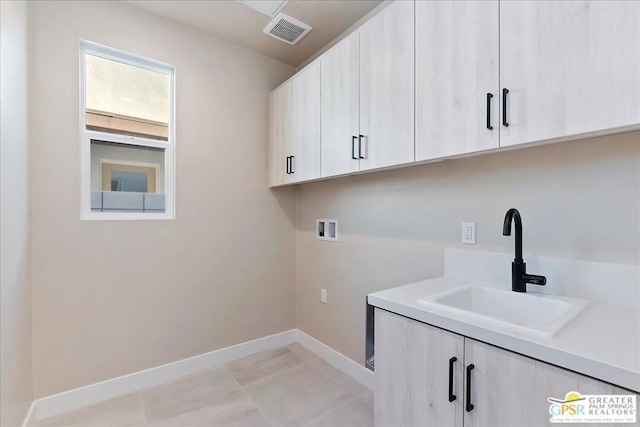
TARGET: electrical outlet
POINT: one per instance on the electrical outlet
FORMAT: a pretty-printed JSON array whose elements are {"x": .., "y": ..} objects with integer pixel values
[
  {"x": 323, "y": 296},
  {"x": 469, "y": 233}
]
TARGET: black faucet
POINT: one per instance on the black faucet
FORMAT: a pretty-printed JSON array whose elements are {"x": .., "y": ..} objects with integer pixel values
[{"x": 519, "y": 276}]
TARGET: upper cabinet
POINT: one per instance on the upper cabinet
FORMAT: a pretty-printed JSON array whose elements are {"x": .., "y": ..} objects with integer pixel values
[
  {"x": 341, "y": 108},
  {"x": 280, "y": 134},
  {"x": 387, "y": 87},
  {"x": 367, "y": 95},
  {"x": 568, "y": 68},
  {"x": 429, "y": 80},
  {"x": 456, "y": 77},
  {"x": 294, "y": 129},
  {"x": 305, "y": 163}
]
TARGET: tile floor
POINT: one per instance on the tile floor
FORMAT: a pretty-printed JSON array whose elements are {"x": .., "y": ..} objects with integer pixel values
[{"x": 288, "y": 386}]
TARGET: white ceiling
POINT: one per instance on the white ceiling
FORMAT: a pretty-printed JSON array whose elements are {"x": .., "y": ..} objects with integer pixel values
[
  {"x": 241, "y": 25},
  {"x": 268, "y": 7}
]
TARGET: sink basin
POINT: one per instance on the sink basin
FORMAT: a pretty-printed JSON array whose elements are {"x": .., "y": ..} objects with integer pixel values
[{"x": 522, "y": 312}]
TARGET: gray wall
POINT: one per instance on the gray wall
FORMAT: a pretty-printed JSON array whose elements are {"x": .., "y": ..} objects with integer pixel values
[
  {"x": 577, "y": 199},
  {"x": 115, "y": 297},
  {"x": 15, "y": 282}
]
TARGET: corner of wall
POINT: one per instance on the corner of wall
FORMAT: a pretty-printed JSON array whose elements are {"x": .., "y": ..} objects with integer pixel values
[{"x": 16, "y": 367}]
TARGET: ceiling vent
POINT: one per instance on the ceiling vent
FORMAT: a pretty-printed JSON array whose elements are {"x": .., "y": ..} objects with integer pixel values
[{"x": 286, "y": 29}]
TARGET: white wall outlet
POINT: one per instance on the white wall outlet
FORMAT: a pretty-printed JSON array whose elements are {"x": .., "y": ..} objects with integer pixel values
[
  {"x": 323, "y": 296},
  {"x": 469, "y": 233},
  {"x": 327, "y": 229}
]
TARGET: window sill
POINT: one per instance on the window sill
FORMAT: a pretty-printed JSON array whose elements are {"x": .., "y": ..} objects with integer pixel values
[{"x": 125, "y": 216}]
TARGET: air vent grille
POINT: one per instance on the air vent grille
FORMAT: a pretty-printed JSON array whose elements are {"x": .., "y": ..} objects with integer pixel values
[{"x": 287, "y": 29}]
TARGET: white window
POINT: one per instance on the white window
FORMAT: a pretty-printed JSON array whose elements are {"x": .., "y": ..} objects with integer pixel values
[{"x": 127, "y": 135}]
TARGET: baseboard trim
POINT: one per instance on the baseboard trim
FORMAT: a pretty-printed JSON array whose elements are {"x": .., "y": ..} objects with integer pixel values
[
  {"x": 30, "y": 412},
  {"x": 338, "y": 360},
  {"x": 95, "y": 393},
  {"x": 110, "y": 389}
]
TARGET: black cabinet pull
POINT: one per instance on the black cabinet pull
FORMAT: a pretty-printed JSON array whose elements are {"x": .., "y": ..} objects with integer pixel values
[
  {"x": 353, "y": 147},
  {"x": 288, "y": 166},
  {"x": 505, "y": 91},
  {"x": 452, "y": 396},
  {"x": 291, "y": 164},
  {"x": 489, "y": 96},
  {"x": 469, "y": 405},
  {"x": 360, "y": 146}
]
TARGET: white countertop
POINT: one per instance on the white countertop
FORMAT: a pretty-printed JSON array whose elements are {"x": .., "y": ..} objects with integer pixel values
[{"x": 602, "y": 341}]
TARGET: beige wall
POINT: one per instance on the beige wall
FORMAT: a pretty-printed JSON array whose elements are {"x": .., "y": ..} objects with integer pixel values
[
  {"x": 578, "y": 199},
  {"x": 15, "y": 282},
  {"x": 110, "y": 298}
]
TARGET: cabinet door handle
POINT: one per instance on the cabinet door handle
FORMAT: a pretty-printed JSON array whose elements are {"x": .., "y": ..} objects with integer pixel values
[
  {"x": 353, "y": 147},
  {"x": 489, "y": 96},
  {"x": 468, "y": 400},
  {"x": 288, "y": 166},
  {"x": 291, "y": 163},
  {"x": 505, "y": 91},
  {"x": 452, "y": 396},
  {"x": 360, "y": 146}
]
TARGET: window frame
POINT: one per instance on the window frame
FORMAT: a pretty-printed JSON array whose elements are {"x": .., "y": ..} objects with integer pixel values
[{"x": 91, "y": 48}]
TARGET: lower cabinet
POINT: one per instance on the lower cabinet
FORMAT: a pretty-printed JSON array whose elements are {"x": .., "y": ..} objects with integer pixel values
[
  {"x": 431, "y": 377},
  {"x": 413, "y": 365}
]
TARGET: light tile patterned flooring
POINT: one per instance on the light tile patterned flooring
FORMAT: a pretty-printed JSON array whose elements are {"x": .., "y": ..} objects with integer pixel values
[{"x": 289, "y": 386}]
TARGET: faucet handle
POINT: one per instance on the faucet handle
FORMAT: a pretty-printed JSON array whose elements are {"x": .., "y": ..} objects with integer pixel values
[{"x": 534, "y": 279}]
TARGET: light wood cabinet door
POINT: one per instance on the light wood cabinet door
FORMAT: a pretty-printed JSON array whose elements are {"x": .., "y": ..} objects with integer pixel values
[
  {"x": 387, "y": 87},
  {"x": 340, "y": 108},
  {"x": 456, "y": 68},
  {"x": 571, "y": 68},
  {"x": 508, "y": 389},
  {"x": 412, "y": 369},
  {"x": 306, "y": 124},
  {"x": 280, "y": 133}
]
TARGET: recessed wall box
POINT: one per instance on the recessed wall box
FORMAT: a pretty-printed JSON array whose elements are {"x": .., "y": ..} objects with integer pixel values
[{"x": 327, "y": 229}]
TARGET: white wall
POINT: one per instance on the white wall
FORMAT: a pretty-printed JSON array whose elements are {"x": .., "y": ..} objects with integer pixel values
[
  {"x": 15, "y": 286},
  {"x": 115, "y": 297},
  {"x": 577, "y": 199}
]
